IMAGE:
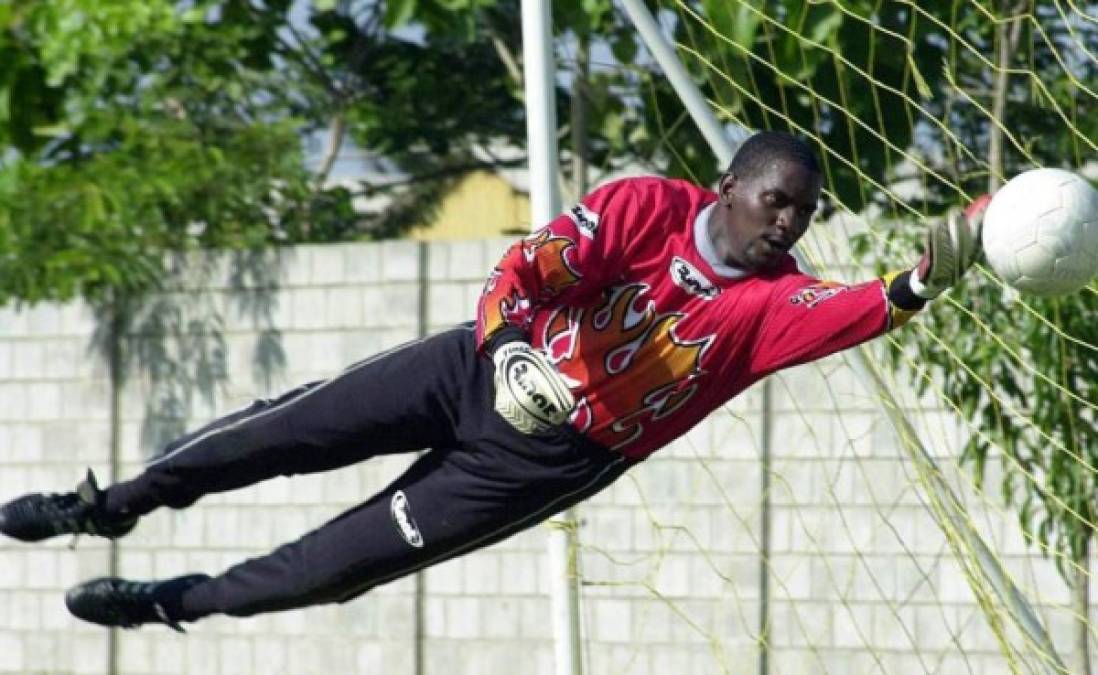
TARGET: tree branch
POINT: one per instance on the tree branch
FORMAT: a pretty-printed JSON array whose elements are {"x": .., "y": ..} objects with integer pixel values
[
  {"x": 336, "y": 133},
  {"x": 444, "y": 172},
  {"x": 1008, "y": 34}
]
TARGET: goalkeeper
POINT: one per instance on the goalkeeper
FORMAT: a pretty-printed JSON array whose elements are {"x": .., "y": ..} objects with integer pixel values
[{"x": 599, "y": 339}]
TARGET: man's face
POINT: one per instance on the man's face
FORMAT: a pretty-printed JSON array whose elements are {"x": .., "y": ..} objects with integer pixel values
[{"x": 760, "y": 217}]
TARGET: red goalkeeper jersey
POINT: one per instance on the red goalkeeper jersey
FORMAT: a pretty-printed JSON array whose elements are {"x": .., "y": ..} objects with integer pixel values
[{"x": 626, "y": 296}]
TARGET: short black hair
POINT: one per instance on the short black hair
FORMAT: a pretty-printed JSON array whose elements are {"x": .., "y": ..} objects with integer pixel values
[{"x": 766, "y": 147}]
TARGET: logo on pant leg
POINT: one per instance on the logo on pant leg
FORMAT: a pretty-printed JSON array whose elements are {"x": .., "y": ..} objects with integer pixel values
[{"x": 402, "y": 516}]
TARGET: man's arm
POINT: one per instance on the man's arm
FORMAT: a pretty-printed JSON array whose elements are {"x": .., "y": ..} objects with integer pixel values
[{"x": 810, "y": 319}]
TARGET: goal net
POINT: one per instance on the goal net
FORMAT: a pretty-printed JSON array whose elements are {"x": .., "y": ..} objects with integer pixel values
[{"x": 937, "y": 522}]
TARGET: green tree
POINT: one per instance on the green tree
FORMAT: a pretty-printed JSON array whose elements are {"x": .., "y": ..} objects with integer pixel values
[
  {"x": 136, "y": 132},
  {"x": 133, "y": 130}
]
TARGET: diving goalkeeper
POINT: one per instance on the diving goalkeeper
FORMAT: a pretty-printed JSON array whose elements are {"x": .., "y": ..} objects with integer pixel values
[{"x": 598, "y": 339}]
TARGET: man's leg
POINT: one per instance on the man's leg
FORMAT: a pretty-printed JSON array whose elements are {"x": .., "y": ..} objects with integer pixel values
[
  {"x": 451, "y": 501},
  {"x": 397, "y": 401}
]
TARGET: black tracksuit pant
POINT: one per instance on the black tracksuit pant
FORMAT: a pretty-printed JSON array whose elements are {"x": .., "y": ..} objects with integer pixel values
[{"x": 481, "y": 481}]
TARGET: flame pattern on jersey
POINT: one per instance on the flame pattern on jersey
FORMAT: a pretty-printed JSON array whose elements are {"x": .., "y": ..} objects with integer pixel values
[
  {"x": 644, "y": 370},
  {"x": 548, "y": 255}
]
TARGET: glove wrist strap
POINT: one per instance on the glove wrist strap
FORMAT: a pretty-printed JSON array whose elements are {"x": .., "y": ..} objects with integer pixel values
[
  {"x": 919, "y": 288},
  {"x": 503, "y": 336},
  {"x": 901, "y": 291}
]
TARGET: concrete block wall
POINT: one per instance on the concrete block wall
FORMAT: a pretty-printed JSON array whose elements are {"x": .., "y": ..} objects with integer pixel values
[{"x": 861, "y": 579}]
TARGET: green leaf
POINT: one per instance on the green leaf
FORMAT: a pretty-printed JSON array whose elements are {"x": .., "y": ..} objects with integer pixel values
[
  {"x": 624, "y": 47},
  {"x": 822, "y": 25},
  {"x": 920, "y": 82},
  {"x": 399, "y": 12},
  {"x": 737, "y": 22},
  {"x": 52, "y": 131},
  {"x": 744, "y": 26}
]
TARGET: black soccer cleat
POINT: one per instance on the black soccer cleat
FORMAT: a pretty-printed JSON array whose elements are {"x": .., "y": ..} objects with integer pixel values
[
  {"x": 111, "y": 601},
  {"x": 39, "y": 516}
]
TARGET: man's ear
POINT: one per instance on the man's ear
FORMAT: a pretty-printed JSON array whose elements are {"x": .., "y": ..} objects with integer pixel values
[{"x": 725, "y": 188}]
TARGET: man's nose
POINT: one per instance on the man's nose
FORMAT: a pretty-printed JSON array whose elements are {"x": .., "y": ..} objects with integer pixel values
[{"x": 787, "y": 219}]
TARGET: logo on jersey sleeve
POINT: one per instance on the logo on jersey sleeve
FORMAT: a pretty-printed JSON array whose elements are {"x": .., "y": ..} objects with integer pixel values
[
  {"x": 585, "y": 219},
  {"x": 493, "y": 279},
  {"x": 688, "y": 278},
  {"x": 644, "y": 369},
  {"x": 810, "y": 296}
]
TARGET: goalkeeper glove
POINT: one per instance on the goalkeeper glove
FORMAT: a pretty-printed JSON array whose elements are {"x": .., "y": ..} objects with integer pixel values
[
  {"x": 530, "y": 394},
  {"x": 952, "y": 245}
]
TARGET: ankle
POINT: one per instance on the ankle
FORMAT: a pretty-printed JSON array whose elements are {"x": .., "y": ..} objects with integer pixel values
[
  {"x": 170, "y": 595},
  {"x": 117, "y": 501}
]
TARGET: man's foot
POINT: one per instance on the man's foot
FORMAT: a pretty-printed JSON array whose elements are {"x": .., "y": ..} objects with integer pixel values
[
  {"x": 40, "y": 516},
  {"x": 111, "y": 601}
]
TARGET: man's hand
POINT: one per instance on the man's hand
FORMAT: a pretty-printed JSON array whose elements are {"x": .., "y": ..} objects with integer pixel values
[
  {"x": 530, "y": 394},
  {"x": 952, "y": 245}
]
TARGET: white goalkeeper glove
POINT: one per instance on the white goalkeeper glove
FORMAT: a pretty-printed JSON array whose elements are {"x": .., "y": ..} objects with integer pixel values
[
  {"x": 952, "y": 244},
  {"x": 530, "y": 394}
]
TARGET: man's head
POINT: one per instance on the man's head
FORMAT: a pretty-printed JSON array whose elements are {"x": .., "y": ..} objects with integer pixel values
[{"x": 767, "y": 198}]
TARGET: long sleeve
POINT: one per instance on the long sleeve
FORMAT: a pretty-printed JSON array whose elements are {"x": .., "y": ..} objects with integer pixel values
[
  {"x": 808, "y": 319},
  {"x": 572, "y": 257}
]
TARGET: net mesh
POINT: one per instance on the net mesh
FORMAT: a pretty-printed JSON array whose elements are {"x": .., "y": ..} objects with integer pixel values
[{"x": 797, "y": 531}]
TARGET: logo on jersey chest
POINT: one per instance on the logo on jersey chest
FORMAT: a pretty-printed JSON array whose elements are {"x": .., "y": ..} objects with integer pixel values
[{"x": 688, "y": 278}]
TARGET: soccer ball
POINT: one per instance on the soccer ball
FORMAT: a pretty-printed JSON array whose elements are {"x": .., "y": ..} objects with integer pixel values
[{"x": 1040, "y": 232}]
